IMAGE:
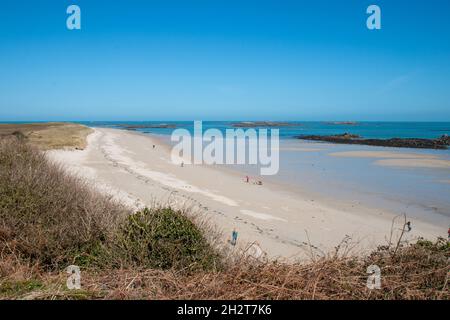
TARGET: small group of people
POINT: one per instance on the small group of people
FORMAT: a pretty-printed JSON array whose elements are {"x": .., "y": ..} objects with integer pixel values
[
  {"x": 409, "y": 228},
  {"x": 258, "y": 182}
]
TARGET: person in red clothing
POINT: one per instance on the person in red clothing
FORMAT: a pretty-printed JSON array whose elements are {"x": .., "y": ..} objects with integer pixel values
[{"x": 448, "y": 233}]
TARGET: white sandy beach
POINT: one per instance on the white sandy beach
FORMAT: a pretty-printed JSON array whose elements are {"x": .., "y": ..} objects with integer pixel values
[{"x": 284, "y": 223}]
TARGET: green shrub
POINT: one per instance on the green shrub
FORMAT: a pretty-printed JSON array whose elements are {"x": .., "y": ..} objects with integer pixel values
[
  {"x": 164, "y": 238},
  {"x": 16, "y": 288}
]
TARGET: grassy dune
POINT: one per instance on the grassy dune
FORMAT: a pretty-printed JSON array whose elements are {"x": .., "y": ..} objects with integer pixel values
[
  {"x": 50, "y": 135},
  {"x": 49, "y": 220}
]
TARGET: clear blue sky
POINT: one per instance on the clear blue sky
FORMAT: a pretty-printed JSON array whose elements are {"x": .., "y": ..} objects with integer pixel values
[{"x": 223, "y": 60}]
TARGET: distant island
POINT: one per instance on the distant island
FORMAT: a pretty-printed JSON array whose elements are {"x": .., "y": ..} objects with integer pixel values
[
  {"x": 256, "y": 124},
  {"x": 148, "y": 126},
  {"x": 347, "y": 138},
  {"x": 349, "y": 123}
]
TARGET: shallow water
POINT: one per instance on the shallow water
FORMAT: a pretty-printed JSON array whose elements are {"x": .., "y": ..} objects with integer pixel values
[
  {"x": 418, "y": 192},
  {"x": 380, "y": 130},
  {"x": 308, "y": 166}
]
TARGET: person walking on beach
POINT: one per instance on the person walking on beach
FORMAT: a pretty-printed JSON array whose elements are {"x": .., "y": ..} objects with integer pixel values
[
  {"x": 246, "y": 179},
  {"x": 234, "y": 236},
  {"x": 448, "y": 234}
]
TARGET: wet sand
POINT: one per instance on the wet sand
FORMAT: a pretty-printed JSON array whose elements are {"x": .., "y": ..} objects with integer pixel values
[{"x": 396, "y": 159}]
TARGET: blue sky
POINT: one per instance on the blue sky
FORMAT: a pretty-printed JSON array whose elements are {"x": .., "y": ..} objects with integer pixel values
[{"x": 225, "y": 60}]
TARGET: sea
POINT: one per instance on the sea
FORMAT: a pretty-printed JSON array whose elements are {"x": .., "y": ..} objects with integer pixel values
[{"x": 310, "y": 168}]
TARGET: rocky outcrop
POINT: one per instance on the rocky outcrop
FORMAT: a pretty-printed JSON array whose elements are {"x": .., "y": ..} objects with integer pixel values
[
  {"x": 346, "y": 138},
  {"x": 256, "y": 124},
  {"x": 345, "y": 123},
  {"x": 149, "y": 126}
]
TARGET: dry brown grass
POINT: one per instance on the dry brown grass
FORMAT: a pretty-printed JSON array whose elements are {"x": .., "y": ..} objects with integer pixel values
[
  {"x": 415, "y": 272},
  {"x": 45, "y": 214},
  {"x": 49, "y": 135}
]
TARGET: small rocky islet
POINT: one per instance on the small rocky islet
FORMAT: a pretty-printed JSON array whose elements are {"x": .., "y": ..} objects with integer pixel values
[
  {"x": 346, "y": 138},
  {"x": 148, "y": 126},
  {"x": 258, "y": 124}
]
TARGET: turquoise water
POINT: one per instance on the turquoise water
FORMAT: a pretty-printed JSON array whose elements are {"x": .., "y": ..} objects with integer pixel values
[
  {"x": 365, "y": 129},
  {"x": 419, "y": 192}
]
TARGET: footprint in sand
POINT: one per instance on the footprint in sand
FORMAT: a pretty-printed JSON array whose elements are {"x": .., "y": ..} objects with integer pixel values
[{"x": 261, "y": 216}]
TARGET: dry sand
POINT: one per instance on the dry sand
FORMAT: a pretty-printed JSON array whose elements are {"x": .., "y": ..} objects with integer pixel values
[{"x": 284, "y": 224}]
